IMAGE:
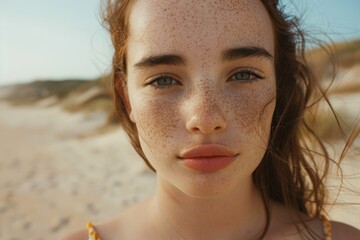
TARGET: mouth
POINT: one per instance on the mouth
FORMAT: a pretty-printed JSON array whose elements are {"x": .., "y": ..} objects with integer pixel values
[{"x": 208, "y": 158}]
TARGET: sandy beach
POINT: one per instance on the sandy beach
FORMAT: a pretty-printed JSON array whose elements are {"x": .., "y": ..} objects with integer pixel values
[
  {"x": 55, "y": 176},
  {"x": 56, "y": 173}
]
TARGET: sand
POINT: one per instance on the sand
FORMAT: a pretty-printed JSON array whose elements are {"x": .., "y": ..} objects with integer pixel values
[
  {"x": 56, "y": 174},
  {"x": 54, "y": 178}
]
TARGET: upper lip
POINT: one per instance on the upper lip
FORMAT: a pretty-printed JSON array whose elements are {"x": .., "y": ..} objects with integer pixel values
[{"x": 207, "y": 150}]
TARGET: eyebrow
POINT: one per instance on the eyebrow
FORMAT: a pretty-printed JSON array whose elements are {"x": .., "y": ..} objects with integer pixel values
[
  {"x": 228, "y": 55},
  {"x": 154, "y": 60},
  {"x": 242, "y": 52}
]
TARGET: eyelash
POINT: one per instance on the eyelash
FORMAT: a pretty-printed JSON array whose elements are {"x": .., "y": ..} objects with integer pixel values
[
  {"x": 254, "y": 75},
  {"x": 162, "y": 76},
  {"x": 251, "y": 71}
]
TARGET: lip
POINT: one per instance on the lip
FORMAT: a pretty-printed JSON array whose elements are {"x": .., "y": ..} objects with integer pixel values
[{"x": 208, "y": 158}]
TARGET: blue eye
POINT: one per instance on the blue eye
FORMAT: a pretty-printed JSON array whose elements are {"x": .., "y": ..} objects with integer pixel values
[
  {"x": 242, "y": 76},
  {"x": 246, "y": 75},
  {"x": 163, "y": 82}
]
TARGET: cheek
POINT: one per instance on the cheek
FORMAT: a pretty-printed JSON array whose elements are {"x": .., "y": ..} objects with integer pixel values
[
  {"x": 156, "y": 121},
  {"x": 253, "y": 113}
]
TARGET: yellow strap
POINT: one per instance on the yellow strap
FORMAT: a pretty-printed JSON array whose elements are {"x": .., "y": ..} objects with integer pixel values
[
  {"x": 93, "y": 235},
  {"x": 327, "y": 228}
]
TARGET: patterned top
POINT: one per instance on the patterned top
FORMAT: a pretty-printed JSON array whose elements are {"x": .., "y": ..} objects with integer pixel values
[{"x": 93, "y": 235}]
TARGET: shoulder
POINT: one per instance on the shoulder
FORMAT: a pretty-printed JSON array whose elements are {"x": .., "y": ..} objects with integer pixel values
[
  {"x": 130, "y": 224},
  {"x": 103, "y": 230},
  {"x": 287, "y": 225},
  {"x": 344, "y": 231},
  {"x": 107, "y": 230},
  {"x": 78, "y": 235}
]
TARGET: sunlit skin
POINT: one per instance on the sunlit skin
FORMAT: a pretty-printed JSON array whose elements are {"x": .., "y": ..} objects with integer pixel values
[{"x": 203, "y": 97}]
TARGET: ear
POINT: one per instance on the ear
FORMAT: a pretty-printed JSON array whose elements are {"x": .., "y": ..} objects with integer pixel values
[{"x": 121, "y": 89}]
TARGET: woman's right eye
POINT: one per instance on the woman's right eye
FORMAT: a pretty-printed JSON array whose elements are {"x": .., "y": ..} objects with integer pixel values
[{"x": 163, "y": 82}]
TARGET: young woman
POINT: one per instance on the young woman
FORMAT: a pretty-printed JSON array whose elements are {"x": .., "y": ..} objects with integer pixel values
[{"x": 212, "y": 94}]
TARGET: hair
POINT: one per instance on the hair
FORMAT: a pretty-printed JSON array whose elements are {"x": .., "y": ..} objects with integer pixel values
[{"x": 290, "y": 171}]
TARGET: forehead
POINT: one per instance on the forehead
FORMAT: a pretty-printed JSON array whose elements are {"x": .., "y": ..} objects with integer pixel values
[{"x": 188, "y": 25}]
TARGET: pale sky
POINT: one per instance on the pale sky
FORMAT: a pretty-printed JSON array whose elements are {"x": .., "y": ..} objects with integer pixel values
[{"x": 61, "y": 39}]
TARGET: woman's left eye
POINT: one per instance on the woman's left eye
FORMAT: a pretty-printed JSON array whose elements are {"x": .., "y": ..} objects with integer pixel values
[{"x": 246, "y": 75}]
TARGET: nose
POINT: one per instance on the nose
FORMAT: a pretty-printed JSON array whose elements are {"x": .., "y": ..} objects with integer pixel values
[{"x": 206, "y": 115}]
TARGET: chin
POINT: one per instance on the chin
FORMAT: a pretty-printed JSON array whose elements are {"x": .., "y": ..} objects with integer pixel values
[{"x": 209, "y": 185}]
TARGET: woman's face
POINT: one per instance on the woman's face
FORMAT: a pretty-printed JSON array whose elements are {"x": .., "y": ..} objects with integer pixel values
[{"x": 201, "y": 90}]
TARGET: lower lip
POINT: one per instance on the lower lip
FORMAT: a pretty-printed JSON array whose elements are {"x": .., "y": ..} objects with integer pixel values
[{"x": 208, "y": 164}]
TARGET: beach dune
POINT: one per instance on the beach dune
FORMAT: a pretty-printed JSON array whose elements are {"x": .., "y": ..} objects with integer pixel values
[{"x": 56, "y": 173}]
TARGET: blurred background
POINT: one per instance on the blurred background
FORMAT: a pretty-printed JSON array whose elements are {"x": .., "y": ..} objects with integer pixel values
[{"x": 65, "y": 160}]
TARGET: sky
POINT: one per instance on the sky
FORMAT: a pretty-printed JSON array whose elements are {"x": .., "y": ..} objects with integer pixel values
[{"x": 63, "y": 39}]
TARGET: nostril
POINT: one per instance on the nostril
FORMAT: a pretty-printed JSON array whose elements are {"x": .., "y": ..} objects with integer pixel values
[{"x": 206, "y": 123}]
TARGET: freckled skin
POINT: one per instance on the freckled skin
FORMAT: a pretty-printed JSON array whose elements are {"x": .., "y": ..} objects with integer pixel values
[{"x": 206, "y": 107}]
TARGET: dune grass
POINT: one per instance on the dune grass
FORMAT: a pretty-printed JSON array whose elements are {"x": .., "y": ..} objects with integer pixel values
[
  {"x": 28, "y": 93},
  {"x": 328, "y": 59}
]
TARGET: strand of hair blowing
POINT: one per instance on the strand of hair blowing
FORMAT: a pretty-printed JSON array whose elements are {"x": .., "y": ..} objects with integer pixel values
[{"x": 289, "y": 173}]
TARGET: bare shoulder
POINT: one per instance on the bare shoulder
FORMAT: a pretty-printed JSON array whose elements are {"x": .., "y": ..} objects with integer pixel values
[
  {"x": 285, "y": 225},
  {"x": 78, "y": 235},
  {"x": 107, "y": 230},
  {"x": 128, "y": 225},
  {"x": 344, "y": 231}
]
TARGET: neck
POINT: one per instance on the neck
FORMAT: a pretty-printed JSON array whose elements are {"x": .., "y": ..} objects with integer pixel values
[{"x": 239, "y": 214}]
